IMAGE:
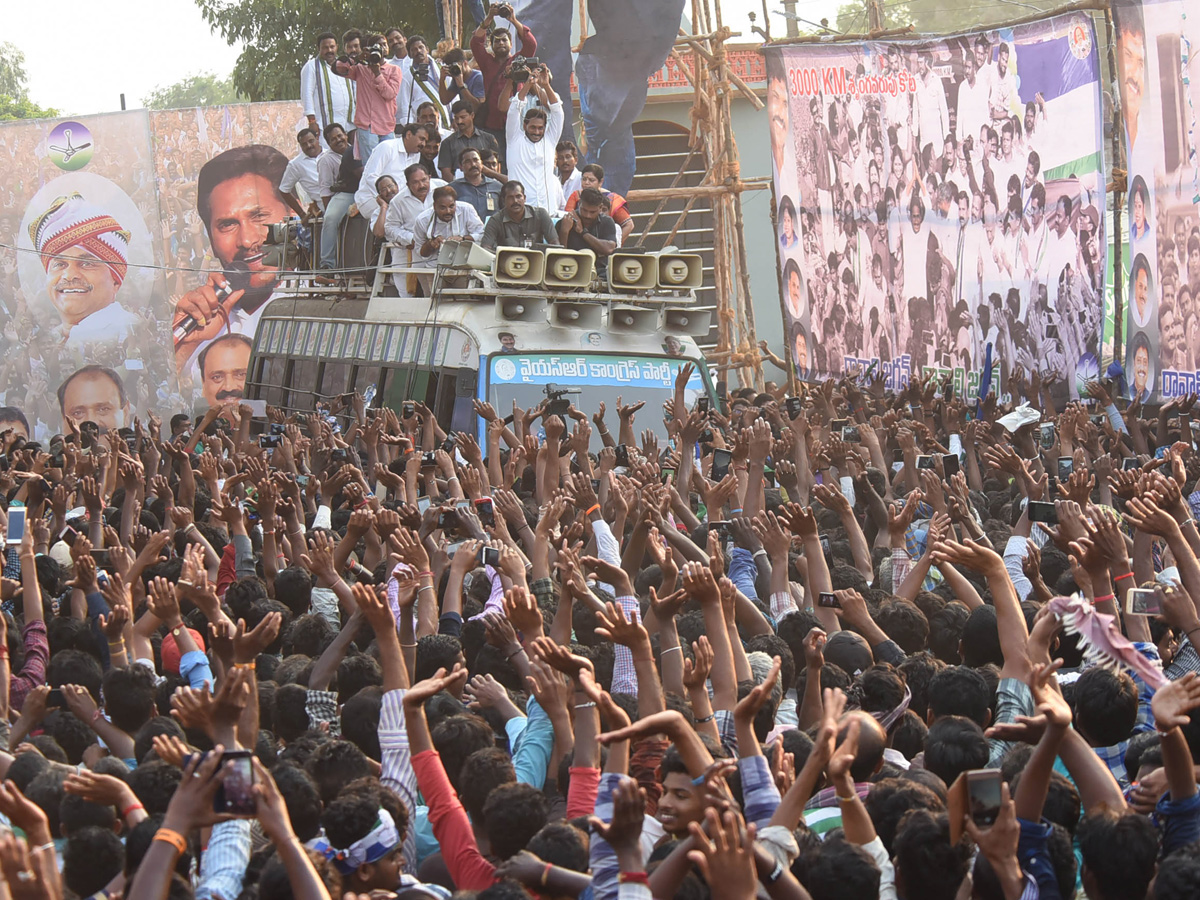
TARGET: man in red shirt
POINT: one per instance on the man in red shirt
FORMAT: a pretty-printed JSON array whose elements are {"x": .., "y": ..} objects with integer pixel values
[
  {"x": 494, "y": 66},
  {"x": 378, "y": 85}
]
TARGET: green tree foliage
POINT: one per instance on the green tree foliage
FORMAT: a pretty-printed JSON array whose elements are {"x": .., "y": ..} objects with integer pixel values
[
  {"x": 279, "y": 35},
  {"x": 14, "y": 93},
  {"x": 940, "y": 16},
  {"x": 204, "y": 89}
]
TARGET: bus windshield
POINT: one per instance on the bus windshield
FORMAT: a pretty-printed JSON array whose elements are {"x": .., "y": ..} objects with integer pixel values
[{"x": 600, "y": 378}]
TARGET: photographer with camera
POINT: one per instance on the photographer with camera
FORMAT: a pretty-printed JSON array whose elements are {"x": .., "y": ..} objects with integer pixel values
[
  {"x": 422, "y": 77},
  {"x": 460, "y": 80},
  {"x": 494, "y": 66},
  {"x": 378, "y": 84}
]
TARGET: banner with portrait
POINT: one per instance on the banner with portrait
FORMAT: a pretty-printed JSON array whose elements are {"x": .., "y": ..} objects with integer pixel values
[
  {"x": 1157, "y": 71},
  {"x": 102, "y": 230},
  {"x": 936, "y": 197}
]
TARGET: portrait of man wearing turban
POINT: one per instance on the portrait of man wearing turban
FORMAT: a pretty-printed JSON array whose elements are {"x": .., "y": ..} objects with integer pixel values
[{"x": 85, "y": 253}]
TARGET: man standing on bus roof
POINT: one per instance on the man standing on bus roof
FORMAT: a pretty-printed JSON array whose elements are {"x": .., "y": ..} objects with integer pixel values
[
  {"x": 327, "y": 96},
  {"x": 465, "y": 136},
  {"x": 516, "y": 224},
  {"x": 448, "y": 219},
  {"x": 238, "y": 198},
  {"x": 302, "y": 172},
  {"x": 482, "y": 192},
  {"x": 533, "y": 134}
]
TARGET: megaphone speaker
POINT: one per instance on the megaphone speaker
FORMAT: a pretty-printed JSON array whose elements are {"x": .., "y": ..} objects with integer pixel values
[
  {"x": 470, "y": 254},
  {"x": 695, "y": 322},
  {"x": 569, "y": 268},
  {"x": 577, "y": 315},
  {"x": 632, "y": 320},
  {"x": 520, "y": 309},
  {"x": 447, "y": 252},
  {"x": 632, "y": 272},
  {"x": 519, "y": 266},
  {"x": 680, "y": 271}
]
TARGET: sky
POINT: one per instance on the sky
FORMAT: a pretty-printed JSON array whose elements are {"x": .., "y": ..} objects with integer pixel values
[{"x": 176, "y": 42}]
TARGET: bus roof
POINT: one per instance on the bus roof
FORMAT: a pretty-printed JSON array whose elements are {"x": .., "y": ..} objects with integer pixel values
[{"x": 384, "y": 329}]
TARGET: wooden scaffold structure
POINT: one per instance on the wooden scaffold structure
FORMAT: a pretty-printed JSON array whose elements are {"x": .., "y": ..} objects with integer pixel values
[{"x": 702, "y": 59}]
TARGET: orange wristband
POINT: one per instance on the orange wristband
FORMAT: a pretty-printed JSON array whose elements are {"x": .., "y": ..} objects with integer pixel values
[
  {"x": 174, "y": 838},
  {"x": 595, "y": 508}
]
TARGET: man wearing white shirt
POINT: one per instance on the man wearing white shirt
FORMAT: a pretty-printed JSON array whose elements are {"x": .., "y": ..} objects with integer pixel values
[
  {"x": 1062, "y": 248},
  {"x": 929, "y": 102},
  {"x": 302, "y": 172},
  {"x": 389, "y": 158},
  {"x": 327, "y": 96},
  {"x": 402, "y": 212},
  {"x": 422, "y": 75},
  {"x": 1004, "y": 99},
  {"x": 448, "y": 219},
  {"x": 531, "y": 141},
  {"x": 334, "y": 197},
  {"x": 972, "y": 107}
]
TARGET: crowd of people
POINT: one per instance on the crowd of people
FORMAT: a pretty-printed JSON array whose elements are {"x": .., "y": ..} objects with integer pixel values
[
  {"x": 802, "y": 647},
  {"x": 400, "y": 128}
]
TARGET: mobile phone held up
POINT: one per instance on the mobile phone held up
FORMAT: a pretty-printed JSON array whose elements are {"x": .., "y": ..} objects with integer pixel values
[
  {"x": 235, "y": 794},
  {"x": 16, "y": 525}
]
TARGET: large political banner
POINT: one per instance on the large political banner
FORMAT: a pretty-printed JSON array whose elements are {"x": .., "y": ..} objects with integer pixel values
[
  {"x": 937, "y": 197},
  {"x": 1159, "y": 92},
  {"x": 105, "y": 223}
]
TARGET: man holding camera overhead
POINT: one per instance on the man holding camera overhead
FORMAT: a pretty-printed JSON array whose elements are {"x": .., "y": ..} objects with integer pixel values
[
  {"x": 494, "y": 65},
  {"x": 378, "y": 85},
  {"x": 532, "y": 138}
]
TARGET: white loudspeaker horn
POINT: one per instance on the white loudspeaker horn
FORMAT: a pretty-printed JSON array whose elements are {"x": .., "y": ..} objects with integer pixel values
[
  {"x": 632, "y": 320},
  {"x": 521, "y": 309},
  {"x": 680, "y": 271},
  {"x": 569, "y": 268},
  {"x": 447, "y": 252},
  {"x": 577, "y": 315},
  {"x": 470, "y": 254},
  {"x": 695, "y": 322},
  {"x": 632, "y": 272},
  {"x": 519, "y": 267}
]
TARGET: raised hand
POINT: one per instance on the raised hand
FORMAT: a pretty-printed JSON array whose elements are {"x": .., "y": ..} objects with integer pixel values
[
  {"x": 696, "y": 669},
  {"x": 748, "y": 707},
  {"x": 726, "y": 861},
  {"x": 1173, "y": 702},
  {"x": 522, "y": 611},
  {"x": 561, "y": 658},
  {"x": 623, "y": 832},
  {"x": 416, "y": 696},
  {"x": 247, "y": 645},
  {"x": 620, "y": 630}
]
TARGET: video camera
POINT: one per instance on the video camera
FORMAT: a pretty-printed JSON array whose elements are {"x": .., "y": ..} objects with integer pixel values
[
  {"x": 522, "y": 68},
  {"x": 373, "y": 55},
  {"x": 557, "y": 404}
]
